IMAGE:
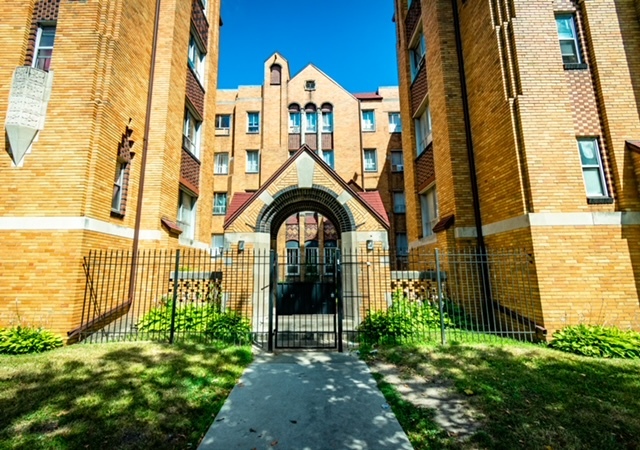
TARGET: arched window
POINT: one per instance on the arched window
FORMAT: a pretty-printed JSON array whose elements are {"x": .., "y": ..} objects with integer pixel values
[
  {"x": 312, "y": 119},
  {"x": 327, "y": 118},
  {"x": 276, "y": 74},
  {"x": 294, "y": 118}
]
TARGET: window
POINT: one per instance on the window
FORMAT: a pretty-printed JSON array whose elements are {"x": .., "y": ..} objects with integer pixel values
[
  {"x": 294, "y": 118},
  {"x": 253, "y": 161},
  {"x": 44, "y": 47},
  {"x": 310, "y": 85},
  {"x": 276, "y": 74},
  {"x": 370, "y": 160},
  {"x": 368, "y": 120},
  {"x": 221, "y": 166},
  {"x": 395, "y": 124},
  {"x": 397, "y": 164},
  {"x": 293, "y": 258},
  {"x": 311, "y": 257},
  {"x": 592, "y": 169},
  {"x": 327, "y": 156},
  {"x": 253, "y": 122},
  {"x": 568, "y": 39},
  {"x": 416, "y": 54},
  {"x": 402, "y": 245},
  {"x": 429, "y": 211},
  {"x": 119, "y": 186},
  {"x": 196, "y": 58},
  {"x": 327, "y": 118},
  {"x": 219, "y": 203},
  {"x": 330, "y": 254},
  {"x": 191, "y": 136},
  {"x": 217, "y": 244},
  {"x": 312, "y": 118},
  {"x": 423, "y": 131},
  {"x": 399, "y": 204},
  {"x": 223, "y": 124},
  {"x": 187, "y": 215}
]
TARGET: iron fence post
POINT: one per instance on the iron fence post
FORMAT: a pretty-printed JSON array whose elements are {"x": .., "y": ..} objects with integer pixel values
[
  {"x": 440, "y": 300},
  {"x": 176, "y": 284},
  {"x": 273, "y": 280},
  {"x": 339, "y": 303}
]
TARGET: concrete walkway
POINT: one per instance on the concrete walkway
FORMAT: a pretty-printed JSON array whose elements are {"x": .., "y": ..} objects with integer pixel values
[{"x": 305, "y": 401}]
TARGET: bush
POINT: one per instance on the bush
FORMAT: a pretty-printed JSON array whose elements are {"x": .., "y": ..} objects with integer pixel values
[
  {"x": 405, "y": 319},
  {"x": 20, "y": 340},
  {"x": 206, "y": 320},
  {"x": 597, "y": 341}
]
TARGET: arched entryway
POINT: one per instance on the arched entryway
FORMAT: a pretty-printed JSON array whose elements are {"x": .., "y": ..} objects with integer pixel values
[{"x": 308, "y": 287}]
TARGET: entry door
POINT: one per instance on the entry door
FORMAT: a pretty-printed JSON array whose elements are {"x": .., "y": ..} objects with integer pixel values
[{"x": 306, "y": 300}]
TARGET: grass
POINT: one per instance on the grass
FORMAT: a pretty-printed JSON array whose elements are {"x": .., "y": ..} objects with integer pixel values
[
  {"x": 116, "y": 396},
  {"x": 531, "y": 397}
]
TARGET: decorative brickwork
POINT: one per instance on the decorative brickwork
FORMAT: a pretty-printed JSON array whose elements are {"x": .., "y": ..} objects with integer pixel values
[
  {"x": 44, "y": 11},
  {"x": 201, "y": 24},
  {"x": 412, "y": 19},
  {"x": 425, "y": 172},
  {"x": 195, "y": 92},
  {"x": 419, "y": 89},
  {"x": 190, "y": 172}
]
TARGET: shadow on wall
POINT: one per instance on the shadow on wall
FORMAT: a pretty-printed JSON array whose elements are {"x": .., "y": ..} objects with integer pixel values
[{"x": 630, "y": 32}]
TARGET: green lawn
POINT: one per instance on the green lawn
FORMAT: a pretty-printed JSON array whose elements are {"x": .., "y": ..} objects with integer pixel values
[
  {"x": 531, "y": 397},
  {"x": 115, "y": 396}
]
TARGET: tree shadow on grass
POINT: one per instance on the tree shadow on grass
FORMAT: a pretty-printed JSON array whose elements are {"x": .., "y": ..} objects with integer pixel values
[
  {"x": 539, "y": 398},
  {"x": 116, "y": 396}
]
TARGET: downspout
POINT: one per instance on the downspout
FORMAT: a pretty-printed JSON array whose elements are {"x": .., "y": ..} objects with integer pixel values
[
  {"x": 486, "y": 281},
  {"x": 124, "y": 308},
  {"x": 143, "y": 165}
]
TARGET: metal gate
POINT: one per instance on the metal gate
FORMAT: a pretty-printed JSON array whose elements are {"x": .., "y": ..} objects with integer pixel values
[{"x": 307, "y": 299}]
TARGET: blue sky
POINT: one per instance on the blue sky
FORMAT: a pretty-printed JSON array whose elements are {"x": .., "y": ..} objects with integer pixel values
[{"x": 352, "y": 41}]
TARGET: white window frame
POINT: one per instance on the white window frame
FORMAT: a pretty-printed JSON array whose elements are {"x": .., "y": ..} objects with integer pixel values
[
  {"x": 417, "y": 54},
  {"x": 424, "y": 129},
  {"x": 397, "y": 164},
  {"x": 253, "y": 166},
  {"x": 368, "y": 124},
  {"x": 371, "y": 167},
  {"x": 187, "y": 215},
  {"x": 429, "y": 210},
  {"x": 399, "y": 202},
  {"x": 295, "y": 119},
  {"x": 395, "y": 122},
  {"x": 38, "y": 47},
  {"x": 327, "y": 121},
  {"x": 221, "y": 163},
  {"x": 191, "y": 133},
  {"x": 331, "y": 162},
  {"x": 573, "y": 40},
  {"x": 293, "y": 261},
  {"x": 220, "y": 208},
  {"x": 118, "y": 186},
  {"x": 196, "y": 57},
  {"x": 221, "y": 129},
  {"x": 594, "y": 166},
  {"x": 217, "y": 244},
  {"x": 311, "y": 122},
  {"x": 253, "y": 122}
]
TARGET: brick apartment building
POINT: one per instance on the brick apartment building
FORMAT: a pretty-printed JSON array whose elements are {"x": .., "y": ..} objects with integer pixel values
[
  {"x": 74, "y": 91},
  {"x": 358, "y": 136},
  {"x": 521, "y": 129}
]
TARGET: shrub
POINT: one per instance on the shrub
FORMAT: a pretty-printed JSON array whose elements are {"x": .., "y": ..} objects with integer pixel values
[
  {"x": 20, "y": 340},
  {"x": 405, "y": 319},
  {"x": 597, "y": 341},
  {"x": 206, "y": 320}
]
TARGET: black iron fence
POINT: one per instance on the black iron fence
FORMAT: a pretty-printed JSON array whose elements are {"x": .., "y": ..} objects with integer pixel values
[{"x": 312, "y": 299}]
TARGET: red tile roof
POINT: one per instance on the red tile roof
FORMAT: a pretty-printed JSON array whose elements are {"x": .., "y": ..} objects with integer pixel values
[
  {"x": 375, "y": 203},
  {"x": 238, "y": 200},
  {"x": 368, "y": 96},
  {"x": 635, "y": 145}
]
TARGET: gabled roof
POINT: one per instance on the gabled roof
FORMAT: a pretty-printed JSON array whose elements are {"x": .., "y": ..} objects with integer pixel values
[
  {"x": 634, "y": 145},
  {"x": 370, "y": 200},
  {"x": 313, "y": 66}
]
